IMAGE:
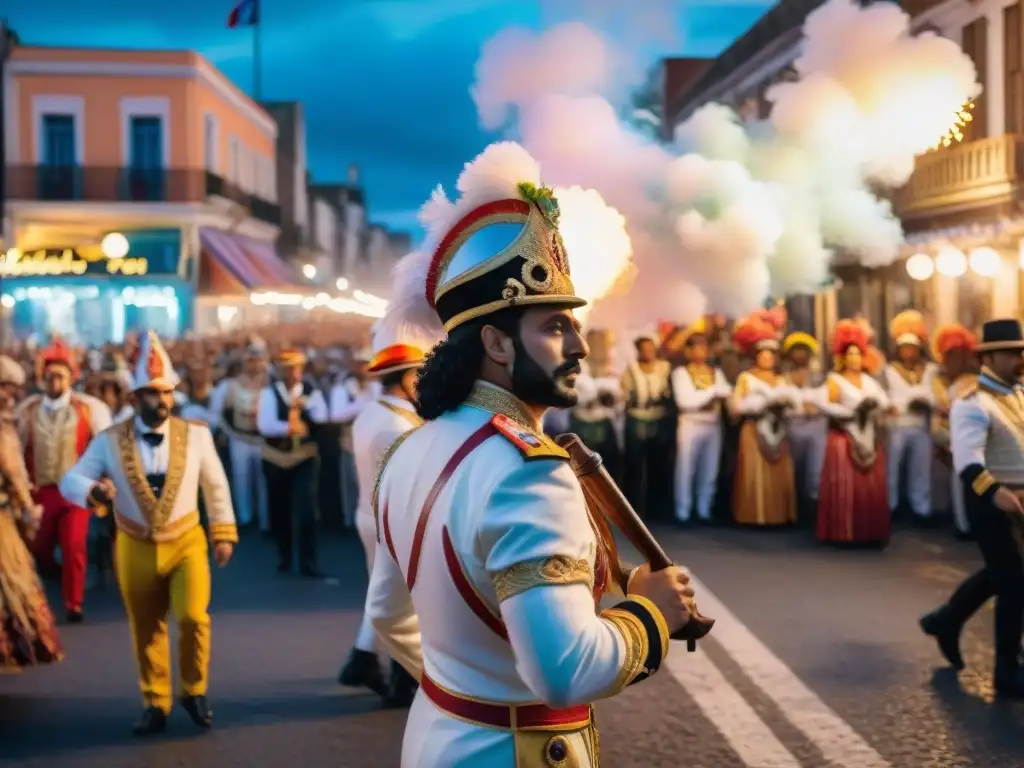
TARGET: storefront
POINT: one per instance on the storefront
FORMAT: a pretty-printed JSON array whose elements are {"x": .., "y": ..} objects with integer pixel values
[{"x": 91, "y": 294}]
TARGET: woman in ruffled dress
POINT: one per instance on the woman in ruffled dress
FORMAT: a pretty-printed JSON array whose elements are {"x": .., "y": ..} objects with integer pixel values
[
  {"x": 853, "y": 505},
  {"x": 764, "y": 487},
  {"x": 28, "y": 635}
]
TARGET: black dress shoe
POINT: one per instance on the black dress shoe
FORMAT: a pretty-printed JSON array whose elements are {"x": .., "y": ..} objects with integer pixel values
[
  {"x": 401, "y": 687},
  {"x": 153, "y": 720},
  {"x": 75, "y": 616},
  {"x": 946, "y": 632},
  {"x": 198, "y": 709},
  {"x": 362, "y": 670}
]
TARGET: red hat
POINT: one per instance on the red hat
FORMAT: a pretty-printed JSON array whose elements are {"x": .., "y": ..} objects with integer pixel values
[
  {"x": 849, "y": 333},
  {"x": 950, "y": 337},
  {"x": 58, "y": 353},
  {"x": 396, "y": 357},
  {"x": 752, "y": 334}
]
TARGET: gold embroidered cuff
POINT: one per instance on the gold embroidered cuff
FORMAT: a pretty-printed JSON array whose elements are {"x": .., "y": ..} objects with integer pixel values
[
  {"x": 555, "y": 570},
  {"x": 982, "y": 483},
  {"x": 659, "y": 619},
  {"x": 226, "y": 533},
  {"x": 637, "y": 645}
]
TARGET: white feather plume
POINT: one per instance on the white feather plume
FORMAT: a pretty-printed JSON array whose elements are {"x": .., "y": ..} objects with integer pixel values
[{"x": 409, "y": 314}]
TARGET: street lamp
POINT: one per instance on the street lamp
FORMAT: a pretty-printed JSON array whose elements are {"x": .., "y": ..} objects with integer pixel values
[
  {"x": 920, "y": 266},
  {"x": 985, "y": 262},
  {"x": 951, "y": 262}
]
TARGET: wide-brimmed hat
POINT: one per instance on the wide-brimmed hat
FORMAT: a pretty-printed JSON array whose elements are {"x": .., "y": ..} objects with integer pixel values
[{"x": 1001, "y": 335}]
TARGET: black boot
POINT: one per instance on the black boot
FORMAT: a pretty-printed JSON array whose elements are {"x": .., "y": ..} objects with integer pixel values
[
  {"x": 153, "y": 720},
  {"x": 401, "y": 687},
  {"x": 940, "y": 625},
  {"x": 198, "y": 709},
  {"x": 362, "y": 670}
]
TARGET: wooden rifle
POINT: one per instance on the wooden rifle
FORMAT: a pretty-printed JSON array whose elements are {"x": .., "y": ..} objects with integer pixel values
[{"x": 604, "y": 497}]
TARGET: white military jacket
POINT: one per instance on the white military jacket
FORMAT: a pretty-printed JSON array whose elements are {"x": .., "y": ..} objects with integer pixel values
[
  {"x": 986, "y": 429},
  {"x": 187, "y": 459},
  {"x": 488, "y": 595},
  {"x": 376, "y": 428}
]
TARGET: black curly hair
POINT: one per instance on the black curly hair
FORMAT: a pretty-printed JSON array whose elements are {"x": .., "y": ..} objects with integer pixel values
[{"x": 452, "y": 367}]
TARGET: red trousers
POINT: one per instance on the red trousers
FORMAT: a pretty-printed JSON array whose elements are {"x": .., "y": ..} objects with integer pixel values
[{"x": 66, "y": 525}]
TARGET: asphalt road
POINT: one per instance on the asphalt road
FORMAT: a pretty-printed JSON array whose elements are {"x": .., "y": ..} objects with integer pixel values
[{"x": 815, "y": 661}]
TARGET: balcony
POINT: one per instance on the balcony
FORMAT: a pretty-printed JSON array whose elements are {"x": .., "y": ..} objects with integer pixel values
[
  {"x": 965, "y": 177},
  {"x": 97, "y": 184}
]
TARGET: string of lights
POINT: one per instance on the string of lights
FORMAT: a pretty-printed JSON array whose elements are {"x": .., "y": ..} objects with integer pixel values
[{"x": 955, "y": 134}]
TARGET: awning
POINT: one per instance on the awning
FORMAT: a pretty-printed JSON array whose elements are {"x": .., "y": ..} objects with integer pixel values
[{"x": 255, "y": 265}]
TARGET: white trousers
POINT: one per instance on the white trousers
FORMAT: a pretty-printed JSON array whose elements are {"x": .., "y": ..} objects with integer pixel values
[
  {"x": 697, "y": 459},
  {"x": 913, "y": 446},
  {"x": 366, "y": 638},
  {"x": 807, "y": 438},
  {"x": 249, "y": 484}
]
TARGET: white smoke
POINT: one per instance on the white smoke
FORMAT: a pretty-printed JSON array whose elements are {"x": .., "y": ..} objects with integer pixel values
[{"x": 741, "y": 211}]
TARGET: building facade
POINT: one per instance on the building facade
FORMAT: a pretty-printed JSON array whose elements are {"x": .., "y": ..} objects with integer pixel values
[
  {"x": 960, "y": 210},
  {"x": 142, "y": 194}
]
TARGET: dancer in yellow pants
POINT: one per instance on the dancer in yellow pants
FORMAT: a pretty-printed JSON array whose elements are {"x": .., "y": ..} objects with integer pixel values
[{"x": 150, "y": 469}]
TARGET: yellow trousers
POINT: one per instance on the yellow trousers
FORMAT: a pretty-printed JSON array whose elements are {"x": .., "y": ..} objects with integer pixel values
[{"x": 157, "y": 576}]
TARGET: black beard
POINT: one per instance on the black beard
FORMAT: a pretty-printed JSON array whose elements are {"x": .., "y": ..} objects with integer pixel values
[
  {"x": 154, "y": 417},
  {"x": 534, "y": 386}
]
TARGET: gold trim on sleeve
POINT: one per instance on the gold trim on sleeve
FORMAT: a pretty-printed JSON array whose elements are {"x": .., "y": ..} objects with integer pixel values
[
  {"x": 637, "y": 646},
  {"x": 374, "y": 495},
  {"x": 982, "y": 483},
  {"x": 556, "y": 570},
  {"x": 226, "y": 533},
  {"x": 658, "y": 617}
]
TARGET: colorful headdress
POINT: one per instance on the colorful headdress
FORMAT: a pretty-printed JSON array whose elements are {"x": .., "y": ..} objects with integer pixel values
[
  {"x": 849, "y": 333},
  {"x": 500, "y": 245},
  {"x": 754, "y": 333},
  {"x": 950, "y": 337},
  {"x": 908, "y": 327},
  {"x": 800, "y": 339},
  {"x": 154, "y": 369},
  {"x": 289, "y": 358},
  {"x": 776, "y": 317},
  {"x": 57, "y": 352},
  {"x": 391, "y": 354}
]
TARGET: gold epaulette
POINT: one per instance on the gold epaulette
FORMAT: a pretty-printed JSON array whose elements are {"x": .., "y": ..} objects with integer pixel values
[
  {"x": 967, "y": 393},
  {"x": 383, "y": 463},
  {"x": 532, "y": 444}
]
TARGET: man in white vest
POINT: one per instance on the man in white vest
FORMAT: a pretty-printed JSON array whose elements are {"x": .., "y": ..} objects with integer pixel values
[
  {"x": 395, "y": 365},
  {"x": 150, "y": 469}
]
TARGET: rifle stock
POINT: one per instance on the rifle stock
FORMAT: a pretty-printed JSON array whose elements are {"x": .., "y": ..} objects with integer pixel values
[{"x": 604, "y": 497}]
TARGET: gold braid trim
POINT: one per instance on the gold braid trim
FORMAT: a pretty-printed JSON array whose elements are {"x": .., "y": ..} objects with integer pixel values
[
  {"x": 659, "y": 619},
  {"x": 982, "y": 483},
  {"x": 226, "y": 533},
  {"x": 380, "y": 469},
  {"x": 555, "y": 570},
  {"x": 634, "y": 637}
]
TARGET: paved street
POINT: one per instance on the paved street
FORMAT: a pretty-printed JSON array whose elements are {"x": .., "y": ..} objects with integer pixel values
[{"x": 815, "y": 661}]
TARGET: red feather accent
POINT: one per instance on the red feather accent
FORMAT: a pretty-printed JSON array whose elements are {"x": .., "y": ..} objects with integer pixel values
[
  {"x": 849, "y": 333},
  {"x": 953, "y": 336},
  {"x": 510, "y": 205}
]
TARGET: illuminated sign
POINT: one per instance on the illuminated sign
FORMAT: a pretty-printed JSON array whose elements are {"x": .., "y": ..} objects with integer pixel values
[{"x": 52, "y": 262}]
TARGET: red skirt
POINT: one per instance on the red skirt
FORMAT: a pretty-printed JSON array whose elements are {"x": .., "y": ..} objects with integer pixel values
[{"x": 853, "y": 504}]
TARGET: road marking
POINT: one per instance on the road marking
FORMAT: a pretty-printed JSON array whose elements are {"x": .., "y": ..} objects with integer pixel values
[
  {"x": 832, "y": 735},
  {"x": 747, "y": 734}
]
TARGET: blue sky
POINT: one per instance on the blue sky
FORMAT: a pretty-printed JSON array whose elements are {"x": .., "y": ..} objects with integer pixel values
[{"x": 385, "y": 83}]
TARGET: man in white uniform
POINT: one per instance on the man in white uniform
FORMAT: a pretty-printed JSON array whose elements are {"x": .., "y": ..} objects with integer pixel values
[
  {"x": 698, "y": 389},
  {"x": 381, "y": 422},
  {"x": 489, "y": 549},
  {"x": 150, "y": 468},
  {"x": 347, "y": 399}
]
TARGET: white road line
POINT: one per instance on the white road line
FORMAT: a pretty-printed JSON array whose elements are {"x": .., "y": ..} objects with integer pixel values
[
  {"x": 838, "y": 742},
  {"x": 747, "y": 734}
]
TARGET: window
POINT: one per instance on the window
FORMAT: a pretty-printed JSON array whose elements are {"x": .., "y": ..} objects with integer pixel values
[
  {"x": 146, "y": 161},
  {"x": 234, "y": 164},
  {"x": 210, "y": 142},
  {"x": 976, "y": 48},
  {"x": 58, "y": 171}
]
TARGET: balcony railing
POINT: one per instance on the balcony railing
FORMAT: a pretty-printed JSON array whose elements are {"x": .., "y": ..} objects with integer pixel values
[
  {"x": 963, "y": 175},
  {"x": 97, "y": 184}
]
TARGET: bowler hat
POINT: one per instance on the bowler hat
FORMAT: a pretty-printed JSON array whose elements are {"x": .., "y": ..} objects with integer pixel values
[{"x": 1004, "y": 334}]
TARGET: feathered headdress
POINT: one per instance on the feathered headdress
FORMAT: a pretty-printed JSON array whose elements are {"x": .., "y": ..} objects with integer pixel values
[
  {"x": 908, "y": 327},
  {"x": 57, "y": 352},
  {"x": 849, "y": 333},
  {"x": 506, "y": 241},
  {"x": 754, "y": 333},
  {"x": 950, "y": 337}
]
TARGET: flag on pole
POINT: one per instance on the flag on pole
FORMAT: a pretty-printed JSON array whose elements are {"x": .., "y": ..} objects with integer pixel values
[{"x": 245, "y": 14}]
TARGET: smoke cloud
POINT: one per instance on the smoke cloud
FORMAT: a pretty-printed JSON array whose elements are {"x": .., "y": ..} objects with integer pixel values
[{"x": 732, "y": 213}]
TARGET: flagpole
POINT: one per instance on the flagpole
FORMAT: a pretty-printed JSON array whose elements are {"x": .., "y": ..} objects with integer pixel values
[{"x": 256, "y": 95}]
